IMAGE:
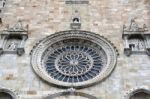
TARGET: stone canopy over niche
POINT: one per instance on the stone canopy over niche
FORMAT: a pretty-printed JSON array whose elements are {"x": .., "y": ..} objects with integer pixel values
[
  {"x": 136, "y": 39},
  {"x": 13, "y": 39},
  {"x": 73, "y": 58}
]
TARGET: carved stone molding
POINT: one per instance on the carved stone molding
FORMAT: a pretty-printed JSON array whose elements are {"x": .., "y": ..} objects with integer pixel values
[
  {"x": 69, "y": 92},
  {"x": 133, "y": 91},
  {"x": 136, "y": 39},
  {"x": 13, "y": 94},
  {"x": 2, "y": 5},
  {"x": 89, "y": 58},
  {"x": 13, "y": 39}
]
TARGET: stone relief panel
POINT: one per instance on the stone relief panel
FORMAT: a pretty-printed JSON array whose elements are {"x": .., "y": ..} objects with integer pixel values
[
  {"x": 13, "y": 39},
  {"x": 136, "y": 39},
  {"x": 74, "y": 58}
]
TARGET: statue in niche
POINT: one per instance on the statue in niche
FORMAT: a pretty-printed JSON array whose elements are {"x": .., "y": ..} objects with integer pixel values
[
  {"x": 136, "y": 43},
  {"x": 137, "y": 46},
  {"x": 136, "y": 39},
  {"x": 12, "y": 45},
  {"x": 13, "y": 39},
  {"x": 2, "y": 3}
]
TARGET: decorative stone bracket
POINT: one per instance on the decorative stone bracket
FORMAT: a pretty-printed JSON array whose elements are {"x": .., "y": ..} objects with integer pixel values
[
  {"x": 136, "y": 39},
  {"x": 13, "y": 39}
]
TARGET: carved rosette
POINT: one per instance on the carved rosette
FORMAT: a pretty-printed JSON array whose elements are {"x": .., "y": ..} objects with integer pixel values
[{"x": 73, "y": 58}]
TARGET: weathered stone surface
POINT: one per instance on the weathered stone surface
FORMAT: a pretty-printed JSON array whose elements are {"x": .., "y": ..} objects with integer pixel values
[{"x": 105, "y": 17}]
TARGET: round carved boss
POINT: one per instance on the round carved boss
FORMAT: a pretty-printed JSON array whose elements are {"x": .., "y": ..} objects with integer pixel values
[{"x": 73, "y": 58}]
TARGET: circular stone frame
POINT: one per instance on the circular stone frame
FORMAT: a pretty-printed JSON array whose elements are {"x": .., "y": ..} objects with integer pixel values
[{"x": 42, "y": 46}]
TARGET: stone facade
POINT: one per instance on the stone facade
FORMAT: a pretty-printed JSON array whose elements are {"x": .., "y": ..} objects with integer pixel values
[{"x": 104, "y": 17}]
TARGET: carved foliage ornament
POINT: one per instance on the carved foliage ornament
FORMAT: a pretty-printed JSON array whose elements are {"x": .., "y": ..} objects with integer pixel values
[{"x": 73, "y": 58}]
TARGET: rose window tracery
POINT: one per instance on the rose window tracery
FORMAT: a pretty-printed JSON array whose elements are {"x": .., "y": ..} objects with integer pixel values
[
  {"x": 74, "y": 63},
  {"x": 73, "y": 58}
]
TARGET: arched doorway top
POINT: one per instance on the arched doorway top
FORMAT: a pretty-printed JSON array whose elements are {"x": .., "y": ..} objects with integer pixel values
[
  {"x": 132, "y": 92},
  {"x": 9, "y": 92}
]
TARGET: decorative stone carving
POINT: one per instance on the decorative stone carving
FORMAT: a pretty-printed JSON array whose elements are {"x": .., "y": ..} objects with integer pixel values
[
  {"x": 70, "y": 92},
  {"x": 13, "y": 39},
  {"x": 73, "y": 58},
  {"x": 133, "y": 91},
  {"x": 8, "y": 94},
  {"x": 2, "y": 5},
  {"x": 136, "y": 39},
  {"x": 76, "y": 22}
]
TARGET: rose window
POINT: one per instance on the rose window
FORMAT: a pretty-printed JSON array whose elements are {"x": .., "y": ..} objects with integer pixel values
[
  {"x": 73, "y": 58},
  {"x": 74, "y": 63}
]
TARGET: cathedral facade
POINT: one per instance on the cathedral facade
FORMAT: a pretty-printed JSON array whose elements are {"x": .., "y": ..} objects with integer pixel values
[{"x": 75, "y": 49}]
